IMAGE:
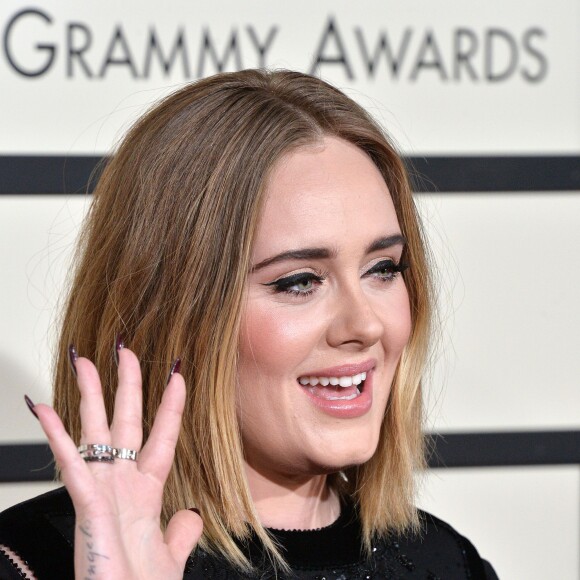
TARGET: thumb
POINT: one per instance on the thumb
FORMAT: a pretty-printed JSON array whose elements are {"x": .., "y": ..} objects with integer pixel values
[{"x": 183, "y": 533}]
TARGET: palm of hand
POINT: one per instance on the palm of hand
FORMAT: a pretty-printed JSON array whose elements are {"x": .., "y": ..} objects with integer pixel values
[{"x": 118, "y": 504}]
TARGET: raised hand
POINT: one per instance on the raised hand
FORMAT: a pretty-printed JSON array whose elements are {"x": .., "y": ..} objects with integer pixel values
[{"x": 118, "y": 500}]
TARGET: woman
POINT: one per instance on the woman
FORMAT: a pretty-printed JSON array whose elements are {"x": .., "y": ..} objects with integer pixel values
[{"x": 261, "y": 227}]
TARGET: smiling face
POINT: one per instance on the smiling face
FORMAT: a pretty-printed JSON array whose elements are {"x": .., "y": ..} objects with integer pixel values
[{"x": 326, "y": 304}]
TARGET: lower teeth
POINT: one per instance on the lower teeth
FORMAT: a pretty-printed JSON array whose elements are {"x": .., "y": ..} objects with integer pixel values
[
  {"x": 349, "y": 398},
  {"x": 346, "y": 397}
]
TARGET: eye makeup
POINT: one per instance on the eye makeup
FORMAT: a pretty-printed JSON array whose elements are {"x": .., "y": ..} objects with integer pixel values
[
  {"x": 300, "y": 284},
  {"x": 386, "y": 270},
  {"x": 306, "y": 283}
]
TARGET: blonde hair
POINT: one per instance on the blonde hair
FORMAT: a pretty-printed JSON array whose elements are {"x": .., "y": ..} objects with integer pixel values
[{"x": 164, "y": 257}]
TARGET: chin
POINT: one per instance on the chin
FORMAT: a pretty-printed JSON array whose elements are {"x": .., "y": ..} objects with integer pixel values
[{"x": 335, "y": 459}]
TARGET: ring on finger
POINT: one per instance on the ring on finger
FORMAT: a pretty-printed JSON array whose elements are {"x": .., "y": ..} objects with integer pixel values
[
  {"x": 124, "y": 453},
  {"x": 100, "y": 452},
  {"x": 99, "y": 459}
]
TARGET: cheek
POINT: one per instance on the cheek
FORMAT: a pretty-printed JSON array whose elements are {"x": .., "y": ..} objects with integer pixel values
[
  {"x": 397, "y": 323},
  {"x": 404, "y": 326},
  {"x": 275, "y": 340}
]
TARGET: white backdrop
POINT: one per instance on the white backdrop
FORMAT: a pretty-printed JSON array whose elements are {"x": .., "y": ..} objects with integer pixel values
[
  {"x": 450, "y": 76},
  {"x": 444, "y": 78}
]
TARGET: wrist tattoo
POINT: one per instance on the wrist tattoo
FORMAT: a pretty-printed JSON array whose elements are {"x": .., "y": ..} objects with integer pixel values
[{"x": 91, "y": 555}]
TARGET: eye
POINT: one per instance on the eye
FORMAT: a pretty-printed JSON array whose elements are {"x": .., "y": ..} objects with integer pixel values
[
  {"x": 386, "y": 270},
  {"x": 301, "y": 284}
]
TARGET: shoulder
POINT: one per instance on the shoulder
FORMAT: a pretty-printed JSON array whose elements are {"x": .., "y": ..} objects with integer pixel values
[
  {"x": 52, "y": 510},
  {"x": 41, "y": 532},
  {"x": 440, "y": 551}
]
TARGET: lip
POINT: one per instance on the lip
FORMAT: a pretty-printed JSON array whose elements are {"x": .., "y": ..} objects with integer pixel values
[
  {"x": 345, "y": 409},
  {"x": 345, "y": 370}
]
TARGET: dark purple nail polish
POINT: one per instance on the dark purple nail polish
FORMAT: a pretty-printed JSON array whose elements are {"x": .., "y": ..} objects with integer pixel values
[
  {"x": 119, "y": 344},
  {"x": 30, "y": 405},
  {"x": 72, "y": 358},
  {"x": 195, "y": 511},
  {"x": 175, "y": 368}
]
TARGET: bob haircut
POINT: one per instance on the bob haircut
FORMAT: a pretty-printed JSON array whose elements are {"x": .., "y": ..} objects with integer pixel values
[{"x": 163, "y": 260}]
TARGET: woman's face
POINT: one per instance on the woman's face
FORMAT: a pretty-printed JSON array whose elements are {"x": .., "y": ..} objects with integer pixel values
[{"x": 325, "y": 304}]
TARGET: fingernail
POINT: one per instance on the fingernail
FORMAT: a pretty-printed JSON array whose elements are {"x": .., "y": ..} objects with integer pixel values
[
  {"x": 30, "y": 405},
  {"x": 119, "y": 344},
  {"x": 195, "y": 511},
  {"x": 175, "y": 368},
  {"x": 72, "y": 358}
]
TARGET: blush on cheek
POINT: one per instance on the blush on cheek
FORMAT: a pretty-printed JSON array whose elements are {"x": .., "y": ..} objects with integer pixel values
[
  {"x": 276, "y": 338},
  {"x": 399, "y": 333},
  {"x": 398, "y": 328}
]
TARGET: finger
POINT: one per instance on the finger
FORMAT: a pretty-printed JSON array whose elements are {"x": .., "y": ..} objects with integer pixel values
[
  {"x": 127, "y": 428},
  {"x": 182, "y": 534},
  {"x": 94, "y": 424},
  {"x": 75, "y": 473},
  {"x": 157, "y": 454}
]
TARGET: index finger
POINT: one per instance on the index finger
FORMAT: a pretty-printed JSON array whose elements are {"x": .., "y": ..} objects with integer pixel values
[{"x": 75, "y": 473}]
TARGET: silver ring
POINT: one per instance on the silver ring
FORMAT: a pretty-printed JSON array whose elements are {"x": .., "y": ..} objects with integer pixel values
[
  {"x": 99, "y": 458},
  {"x": 97, "y": 452},
  {"x": 123, "y": 453},
  {"x": 95, "y": 448}
]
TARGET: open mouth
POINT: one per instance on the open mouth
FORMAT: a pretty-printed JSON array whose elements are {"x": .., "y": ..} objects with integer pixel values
[{"x": 345, "y": 388}]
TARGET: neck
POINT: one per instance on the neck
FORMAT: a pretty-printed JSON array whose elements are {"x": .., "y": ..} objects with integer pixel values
[{"x": 297, "y": 503}]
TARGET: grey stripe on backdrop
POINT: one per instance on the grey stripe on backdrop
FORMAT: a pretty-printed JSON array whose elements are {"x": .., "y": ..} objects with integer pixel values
[
  {"x": 42, "y": 174},
  {"x": 34, "y": 462}
]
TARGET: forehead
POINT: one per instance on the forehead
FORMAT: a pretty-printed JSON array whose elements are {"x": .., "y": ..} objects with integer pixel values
[{"x": 329, "y": 194}]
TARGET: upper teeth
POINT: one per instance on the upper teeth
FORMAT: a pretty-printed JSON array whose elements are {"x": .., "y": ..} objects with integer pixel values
[{"x": 340, "y": 381}]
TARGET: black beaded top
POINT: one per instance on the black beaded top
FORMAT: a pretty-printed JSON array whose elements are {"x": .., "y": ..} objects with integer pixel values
[
  {"x": 41, "y": 532},
  {"x": 335, "y": 553}
]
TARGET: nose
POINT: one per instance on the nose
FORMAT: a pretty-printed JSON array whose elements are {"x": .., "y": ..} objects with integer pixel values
[{"x": 355, "y": 322}]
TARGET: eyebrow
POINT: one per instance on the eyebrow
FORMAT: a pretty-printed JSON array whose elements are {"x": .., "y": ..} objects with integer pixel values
[
  {"x": 386, "y": 242},
  {"x": 324, "y": 253}
]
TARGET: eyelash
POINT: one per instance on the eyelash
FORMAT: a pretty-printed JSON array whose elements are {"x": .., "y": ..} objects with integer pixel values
[{"x": 284, "y": 285}]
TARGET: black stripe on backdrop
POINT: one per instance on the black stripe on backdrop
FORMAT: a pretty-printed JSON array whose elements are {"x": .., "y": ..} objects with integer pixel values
[
  {"x": 72, "y": 174},
  {"x": 33, "y": 462}
]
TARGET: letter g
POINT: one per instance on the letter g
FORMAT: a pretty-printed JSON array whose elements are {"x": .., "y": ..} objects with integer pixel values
[{"x": 49, "y": 48}]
